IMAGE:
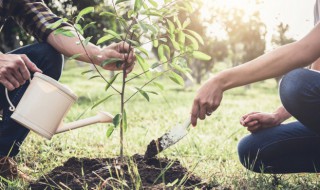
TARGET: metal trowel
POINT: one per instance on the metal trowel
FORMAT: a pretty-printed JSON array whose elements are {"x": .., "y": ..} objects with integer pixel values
[{"x": 168, "y": 139}]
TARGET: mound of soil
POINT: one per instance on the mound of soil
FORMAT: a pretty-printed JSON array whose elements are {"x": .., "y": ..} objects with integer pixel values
[{"x": 108, "y": 173}]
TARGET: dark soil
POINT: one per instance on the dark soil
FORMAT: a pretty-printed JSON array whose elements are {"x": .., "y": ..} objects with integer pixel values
[
  {"x": 108, "y": 173},
  {"x": 153, "y": 149}
]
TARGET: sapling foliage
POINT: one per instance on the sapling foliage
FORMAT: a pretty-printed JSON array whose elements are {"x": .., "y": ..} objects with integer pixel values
[{"x": 143, "y": 23}]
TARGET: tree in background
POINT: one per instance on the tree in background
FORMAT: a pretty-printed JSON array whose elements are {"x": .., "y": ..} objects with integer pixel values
[
  {"x": 246, "y": 35},
  {"x": 280, "y": 39},
  {"x": 214, "y": 47}
]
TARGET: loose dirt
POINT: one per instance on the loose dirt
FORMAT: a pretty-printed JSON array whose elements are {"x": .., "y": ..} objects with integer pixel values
[{"x": 108, "y": 173}]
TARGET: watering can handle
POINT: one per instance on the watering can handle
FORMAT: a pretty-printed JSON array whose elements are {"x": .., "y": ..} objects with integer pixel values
[{"x": 12, "y": 107}]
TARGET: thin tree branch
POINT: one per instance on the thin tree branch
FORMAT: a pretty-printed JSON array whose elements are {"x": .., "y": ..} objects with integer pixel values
[
  {"x": 90, "y": 59},
  {"x": 144, "y": 72},
  {"x": 147, "y": 84}
]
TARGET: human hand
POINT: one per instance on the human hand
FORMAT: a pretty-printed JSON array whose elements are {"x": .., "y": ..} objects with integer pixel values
[
  {"x": 256, "y": 121},
  {"x": 119, "y": 50},
  {"x": 207, "y": 100},
  {"x": 14, "y": 70}
]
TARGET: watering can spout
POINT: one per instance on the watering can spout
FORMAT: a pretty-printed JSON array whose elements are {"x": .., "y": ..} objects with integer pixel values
[{"x": 101, "y": 117}]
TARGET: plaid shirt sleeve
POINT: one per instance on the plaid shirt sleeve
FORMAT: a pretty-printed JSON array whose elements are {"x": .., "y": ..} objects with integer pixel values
[{"x": 33, "y": 16}]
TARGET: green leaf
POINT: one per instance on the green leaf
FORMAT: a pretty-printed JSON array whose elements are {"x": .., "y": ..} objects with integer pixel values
[
  {"x": 113, "y": 33},
  {"x": 201, "y": 56},
  {"x": 79, "y": 28},
  {"x": 155, "y": 43},
  {"x": 186, "y": 23},
  {"x": 106, "y": 13},
  {"x": 175, "y": 44},
  {"x": 196, "y": 35},
  {"x": 120, "y": 1},
  {"x": 178, "y": 23},
  {"x": 65, "y": 32},
  {"x": 152, "y": 28},
  {"x": 161, "y": 54},
  {"x": 171, "y": 26},
  {"x": 125, "y": 123},
  {"x": 153, "y": 3},
  {"x": 109, "y": 61},
  {"x": 101, "y": 101},
  {"x": 91, "y": 24},
  {"x": 105, "y": 38},
  {"x": 110, "y": 131},
  {"x": 95, "y": 76},
  {"x": 130, "y": 13},
  {"x": 160, "y": 86},
  {"x": 142, "y": 50},
  {"x": 87, "y": 40},
  {"x": 194, "y": 42},
  {"x": 116, "y": 120},
  {"x": 143, "y": 93},
  {"x": 83, "y": 12},
  {"x": 137, "y": 5},
  {"x": 176, "y": 78},
  {"x": 86, "y": 10},
  {"x": 85, "y": 72},
  {"x": 167, "y": 50},
  {"x": 74, "y": 56},
  {"x": 111, "y": 81},
  {"x": 144, "y": 66},
  {"x": 136, "y": 43},
  {"x": 143, "y": 26},
  {"x": 182, "y": 37},
  {"x": 152, "y": 92}
]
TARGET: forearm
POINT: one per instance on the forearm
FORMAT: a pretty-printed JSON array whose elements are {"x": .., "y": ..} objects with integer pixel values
[
  {"x": 69, "y": 46},
  {"x": 281, "y": 115},
  {"x": 275, "y": 63}
]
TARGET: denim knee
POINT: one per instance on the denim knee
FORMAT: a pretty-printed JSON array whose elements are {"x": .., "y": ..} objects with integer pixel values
[
  {"x": 52, "y": 60},
  {"x": 291, "y": 89},
  {"x": 248, "y": 154}
]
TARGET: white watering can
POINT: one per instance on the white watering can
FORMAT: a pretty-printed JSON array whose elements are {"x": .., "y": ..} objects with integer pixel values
[{"x": 44, "y": 105}]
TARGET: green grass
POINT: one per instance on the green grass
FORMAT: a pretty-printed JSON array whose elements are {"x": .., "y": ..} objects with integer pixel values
[{"x": 211, "y": 146}]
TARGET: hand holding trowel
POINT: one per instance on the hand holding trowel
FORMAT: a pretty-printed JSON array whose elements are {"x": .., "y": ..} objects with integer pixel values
[{"x": 167, "y": 140}]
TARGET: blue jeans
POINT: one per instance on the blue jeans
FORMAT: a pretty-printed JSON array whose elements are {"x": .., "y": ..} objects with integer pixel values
[
  {"x": 293, "y": 147},
  {"x": 11, "y": 133}
]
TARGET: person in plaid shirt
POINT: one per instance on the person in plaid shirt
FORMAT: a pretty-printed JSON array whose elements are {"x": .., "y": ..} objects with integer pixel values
[{"x": 17, "y": 66}]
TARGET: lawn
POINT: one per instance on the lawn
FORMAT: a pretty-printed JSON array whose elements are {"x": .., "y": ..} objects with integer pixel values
[{"x": 209, "y": 150}]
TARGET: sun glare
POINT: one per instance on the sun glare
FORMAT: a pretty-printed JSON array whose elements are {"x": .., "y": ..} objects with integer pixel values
[{"x": 298, "y": 14}]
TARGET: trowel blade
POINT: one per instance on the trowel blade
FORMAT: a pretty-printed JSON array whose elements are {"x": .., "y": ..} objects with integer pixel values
[{"x": 168, "y": 139}]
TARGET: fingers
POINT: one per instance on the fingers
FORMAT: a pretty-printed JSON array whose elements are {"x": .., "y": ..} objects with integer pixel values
[
  {"x": 251, "y": 123},
  {"x": 194, "y": 112},
  {"x": 28, "y": 64},
  {"x": 255, "y": 128},
  {"x": 14, "y": 70},
  {"x": 121, "y": 47},
  {"x": 245, "y": 116}
]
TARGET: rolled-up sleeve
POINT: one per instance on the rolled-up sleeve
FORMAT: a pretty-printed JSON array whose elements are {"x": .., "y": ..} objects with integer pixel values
[{"x": 34, "y": 17}]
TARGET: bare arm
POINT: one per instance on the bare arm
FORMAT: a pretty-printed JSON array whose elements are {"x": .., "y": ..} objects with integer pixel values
[
  {"x": 278, "y": 62},
  {"x": 275, "y": 63},
  {"x": 71, "y": 45}
]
